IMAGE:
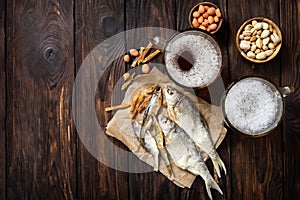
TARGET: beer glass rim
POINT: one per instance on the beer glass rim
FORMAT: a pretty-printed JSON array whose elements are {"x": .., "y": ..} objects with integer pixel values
[
  {"x": 193, "y": 31},
  {"x": 276, "y": 122}
]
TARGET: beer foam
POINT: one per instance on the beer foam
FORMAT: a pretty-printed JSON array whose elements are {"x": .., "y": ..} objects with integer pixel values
[
  {"x": 207, "y": 59},
  {"x": 253, "y": 106}
]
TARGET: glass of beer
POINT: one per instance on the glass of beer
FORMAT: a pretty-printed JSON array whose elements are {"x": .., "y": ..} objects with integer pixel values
[{"x": 254, "y": 106}]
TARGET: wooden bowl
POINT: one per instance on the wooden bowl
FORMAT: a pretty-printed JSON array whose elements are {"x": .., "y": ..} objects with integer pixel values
[
  {"x": 259, "y": 19},
  {"x": 196, "y": 8}
]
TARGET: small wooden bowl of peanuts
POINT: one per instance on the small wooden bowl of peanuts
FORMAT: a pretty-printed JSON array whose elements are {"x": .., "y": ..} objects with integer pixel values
[
  {"x": 206, "y": 16},
  {"x": 258, "y": 40}
]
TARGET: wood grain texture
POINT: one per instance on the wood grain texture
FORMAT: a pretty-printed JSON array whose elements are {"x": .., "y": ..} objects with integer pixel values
[
  {"x": 290, "y": 56},
  {"x": 256, "y": 164},
  {"x": 139, "y": 14},
  {"x": 2, "y": 102},
  {"x": 95, "y": 22},
  {"x": 198, "y": 189},
  {"x": 41, "y": 141},
  {"x": 42, "y": 156}
]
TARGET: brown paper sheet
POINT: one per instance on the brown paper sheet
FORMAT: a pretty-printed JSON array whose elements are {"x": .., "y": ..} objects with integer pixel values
[{"x": 120, "y": 125}]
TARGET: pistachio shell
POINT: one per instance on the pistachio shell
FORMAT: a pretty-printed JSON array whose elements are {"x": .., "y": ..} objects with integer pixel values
[
  {"x": 269, "y": 52},
  {"x": 257, "y": 51},
  {"x": 247, "y": 33},
  {"x": 266, "y": 41},
  {"x": 275, "y": 38},
  {"x": 258, "y": 26},
  {"x": 261, "y": 56},
  {"x": 253, "y": 48},
  {"x": 265, "y": 34},
  {"x": 244, "y": 46},
  {"x": 270, "y": 28},
  {"x": 250, "y": 54},
  {"x": 253, "y": 38},
  {"x": 248, "y": 27},
  {"x": 265, "y": 25},
  {"x": 259, "y": 32},
  {"x": 254, "y": 22},
  {"x": 259, "y": 43},
  {"x": 246, "y": 42},
  {"x": 271, "y": 45}
]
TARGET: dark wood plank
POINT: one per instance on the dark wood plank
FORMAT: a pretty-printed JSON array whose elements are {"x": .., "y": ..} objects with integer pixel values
[
  {"x": 41, "y": 141},
  {"x": 95, "y": 22},
  {"x": 139, "y": 14},
  {"x": 290, "y": 56},
  {"x": 2, "y": 103},
  {"x": 198, "y": 189},
  {"x": 256, "y": 164}
]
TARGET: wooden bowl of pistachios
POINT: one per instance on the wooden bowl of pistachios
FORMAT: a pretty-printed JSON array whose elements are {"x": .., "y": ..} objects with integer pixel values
[{"x": 258, "y": 39}]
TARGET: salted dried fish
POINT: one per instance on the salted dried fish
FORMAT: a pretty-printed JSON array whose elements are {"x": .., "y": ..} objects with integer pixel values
[
  {"x": 127, "y": 83},
  {"x": 151, "y": 111},
  {"x": 152, "y": 55},
  {"x": 136, "y": 104},
  {"x": 150, "y": 143},
  {"x": 182, "y": 111},
  {"x": 122, "y": 106},
  {"x": 184, "y": 152},
  {"x": 143, "y": 105},
  {"x": 149, "y": 119},
  {"x": 148, "y": 47}
]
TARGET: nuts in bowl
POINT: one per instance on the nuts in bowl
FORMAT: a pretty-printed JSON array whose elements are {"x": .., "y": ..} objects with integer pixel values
[
  {"x": 206, "y": 16},
  {"x": 258, "y": 40}
]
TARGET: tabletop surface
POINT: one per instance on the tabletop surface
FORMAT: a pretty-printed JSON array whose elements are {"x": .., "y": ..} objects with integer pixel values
[{"x": 44, "y": 43}]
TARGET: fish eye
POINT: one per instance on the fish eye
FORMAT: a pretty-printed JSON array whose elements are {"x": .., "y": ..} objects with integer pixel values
[{"x": 170, "y": 92}]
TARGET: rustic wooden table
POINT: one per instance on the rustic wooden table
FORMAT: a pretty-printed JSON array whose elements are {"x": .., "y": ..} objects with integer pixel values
[{"x": 43, "y": 44}]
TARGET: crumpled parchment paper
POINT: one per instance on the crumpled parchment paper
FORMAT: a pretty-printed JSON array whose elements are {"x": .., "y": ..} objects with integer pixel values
[{"x": 120, "y": 125}]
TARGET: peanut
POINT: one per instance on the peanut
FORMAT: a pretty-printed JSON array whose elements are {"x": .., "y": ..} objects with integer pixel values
[
  {"x": 133, "y": 52},
  {"x": 195, "y": 23},
  {"x": 211, "y": 11},
  {"x": 145, "y": 68},
  {"x": 218, "y": 13},
  {"x": 126, "y": 76},
  {"x": 206, "y": 18},
  {"x": 126, "y": 58},
  {"x": 196, "y": 14}
]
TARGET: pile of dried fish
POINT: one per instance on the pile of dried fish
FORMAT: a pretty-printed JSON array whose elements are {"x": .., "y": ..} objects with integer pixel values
[{"x": 177, "y": 137}]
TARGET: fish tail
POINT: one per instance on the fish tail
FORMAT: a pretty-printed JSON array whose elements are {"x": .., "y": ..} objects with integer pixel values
[
  {"x": 165, "y": 157},
  {"x": 210, "y": 183},
  {"x": 218, "y": 165}
]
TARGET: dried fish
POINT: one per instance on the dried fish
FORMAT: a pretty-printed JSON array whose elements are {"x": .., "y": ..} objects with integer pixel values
[
  {"x": 122, "y": 106},
  {"x": 152, "y": 55},
  {"x": 148, "y": 47},
  {"x": 184, "y": 152},
  {"x": 137, "y": 105},
  {"x": 183, "y": 112},
  {"x": 144, "y": 104},
  {"x": 127, "y": 83}
]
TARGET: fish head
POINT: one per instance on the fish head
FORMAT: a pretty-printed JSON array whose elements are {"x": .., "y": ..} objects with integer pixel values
[
  {"x": 172, "y": 95},
  {"x": 165, "y": 123}
]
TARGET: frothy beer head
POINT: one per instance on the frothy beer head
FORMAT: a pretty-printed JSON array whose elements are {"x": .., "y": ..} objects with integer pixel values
[{"x": 253, "y": 106}]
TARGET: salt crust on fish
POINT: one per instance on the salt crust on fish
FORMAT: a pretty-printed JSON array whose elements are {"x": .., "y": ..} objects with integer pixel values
[{"x": 120, "y": 127}]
